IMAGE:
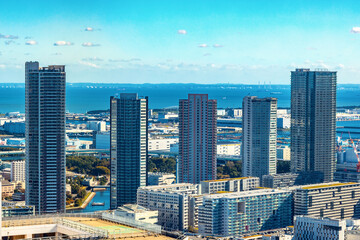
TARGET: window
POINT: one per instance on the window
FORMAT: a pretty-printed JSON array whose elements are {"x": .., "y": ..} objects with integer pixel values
[{"x": 241, "y": 207}]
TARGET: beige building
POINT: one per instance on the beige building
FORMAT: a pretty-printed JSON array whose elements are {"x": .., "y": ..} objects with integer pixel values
[
  {"x": 283, "y": 153},
  {"x": 7, "y": 188}
]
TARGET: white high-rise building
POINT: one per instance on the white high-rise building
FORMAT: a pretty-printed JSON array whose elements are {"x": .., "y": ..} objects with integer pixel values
[{"x": 259, "y": 136}]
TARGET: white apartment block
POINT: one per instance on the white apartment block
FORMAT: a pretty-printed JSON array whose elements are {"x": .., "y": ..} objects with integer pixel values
[
  {"x": 228, "y": 148},
  {"x": 171, "y": 201},
  {"x": 17, "y": 171},
  {"x": 307, "y": 228},
  {"x": 236, "y": 213},
  {"x": 159, "y": 178},
  {"x": 99, "y": 126},
  {"x": 332, "y": 200},
  {"x": 229, "y": 185},
  {"x": 161, "y": 144}
]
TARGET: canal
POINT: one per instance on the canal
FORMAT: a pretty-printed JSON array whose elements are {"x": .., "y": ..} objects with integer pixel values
[{"x": 101, "y": 196}]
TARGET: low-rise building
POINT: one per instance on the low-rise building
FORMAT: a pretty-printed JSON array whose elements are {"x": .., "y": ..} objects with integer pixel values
[
  {"x": 283, "y": 122},
  {"x": 231, "y": 214},
  {"x": 229, "y": 185},
  {"x": 171, "y": 201},
  {"x": 138, "y": 213},
  {"x": 283, "y": 153},
  {"x": 99, "y": 126},
  {"x": 332, "y": 200},
  {"x": 235, "y": 113},
  {"x": 309, "y": 228},
  {"x": 161, "y": 144},
  {"x": 282, "y": 180},
  {"x": 101, "y": 140},
  {"x": 7, "y": 188},
  {"x": 15, "y": 127},
  {"x": 228, "y": 148},
  {"x": 159, "y": 178},
  {"x": 17, "y": 171},
  {"x": 11, "y": 211}
]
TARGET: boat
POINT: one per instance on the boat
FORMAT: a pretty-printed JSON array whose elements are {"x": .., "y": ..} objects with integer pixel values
[{"x": 98, "y": 204}]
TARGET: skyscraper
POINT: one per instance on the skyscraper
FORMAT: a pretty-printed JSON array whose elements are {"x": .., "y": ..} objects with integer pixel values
[
  {"x": 45, "y": 137},
  {"x": 128, "y": 147},
  {"x": 197, "y": 139},
  {"x": 313, "y": 121},
  {"x": 259, "y": 136}
]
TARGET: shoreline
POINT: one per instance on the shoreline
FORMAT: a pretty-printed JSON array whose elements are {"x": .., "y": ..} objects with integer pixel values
[{"x": 85, "y": 203}]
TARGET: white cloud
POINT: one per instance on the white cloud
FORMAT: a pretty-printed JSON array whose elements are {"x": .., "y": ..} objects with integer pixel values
[
  {"x": 125, "y": 60},
  {"x": 93, "y": 59},
  {"x": 340, "y": 66},
  {"x": 182, "y": 31},
  {"x": 31, "y": 42},
  {"x": 217, "y": 46},
  {"x": 8, "y": 36},
  {"x": 91, "y": 29},
  {"x": 63, "y": 43},
  {"x": 2, "y": 66},
  {"x": 90, "y": 44},
  {"x": 204, "y": 45},
  {"x": 355, "y": 30},
  {"x": 93, "y": 65}
]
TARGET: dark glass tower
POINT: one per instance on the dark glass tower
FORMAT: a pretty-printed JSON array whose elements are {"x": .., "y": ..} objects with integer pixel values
[
  {"x": 128, "y": 147},
  {"x": 45, "y": 137},
  {"x": 313, "y": 121},
  {"x": 197, "y": 139}
]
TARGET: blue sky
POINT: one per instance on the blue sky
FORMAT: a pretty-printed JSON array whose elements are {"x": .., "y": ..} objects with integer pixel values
[{"x": 181, "y": 41}]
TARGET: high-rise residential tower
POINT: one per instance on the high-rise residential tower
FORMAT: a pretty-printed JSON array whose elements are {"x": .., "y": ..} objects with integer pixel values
[
  {"x": 45, "y": 137},
  {"x": 197, "y": 139},
  {"x": 128, "y": 147},
  {"x": 259, "y": 136},
  {"x": 313, "y": 121}
]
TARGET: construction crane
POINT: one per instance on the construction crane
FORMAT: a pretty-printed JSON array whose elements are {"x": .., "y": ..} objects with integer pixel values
[{"x": 351, "y": 141}]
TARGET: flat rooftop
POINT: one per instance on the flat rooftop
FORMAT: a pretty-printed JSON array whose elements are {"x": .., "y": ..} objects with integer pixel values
[
  {"x": 243, "y": 194},
  {"x": 328, "y": 185}
]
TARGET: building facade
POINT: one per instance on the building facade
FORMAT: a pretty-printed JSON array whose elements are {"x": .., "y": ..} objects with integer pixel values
[
  {"x": 18, "y": 171},
  {"x": 333, "y": 200},
  {"x": 197, "y": 139},
  {"x": 259, "y": 136},
  {"x": 231, "y": 214},
  {"x": 283, "y": 180},
  {"x": 313, "y": 121},
  {"x": 171, "y": 201},
  {"x": 45, "y": 137},
  {"x": 307, "y": 228},
  {"x": 229, "y": 185},
  {"x": 128, "y": 147},
  {"x": 160, "y": 178}
]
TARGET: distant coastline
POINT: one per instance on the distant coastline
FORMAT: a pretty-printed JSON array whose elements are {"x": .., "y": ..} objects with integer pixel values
[{"x": 83, "y": 97}]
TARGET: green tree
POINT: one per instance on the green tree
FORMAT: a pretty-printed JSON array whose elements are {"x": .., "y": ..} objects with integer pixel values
[{"x": 78, "y": 202}]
